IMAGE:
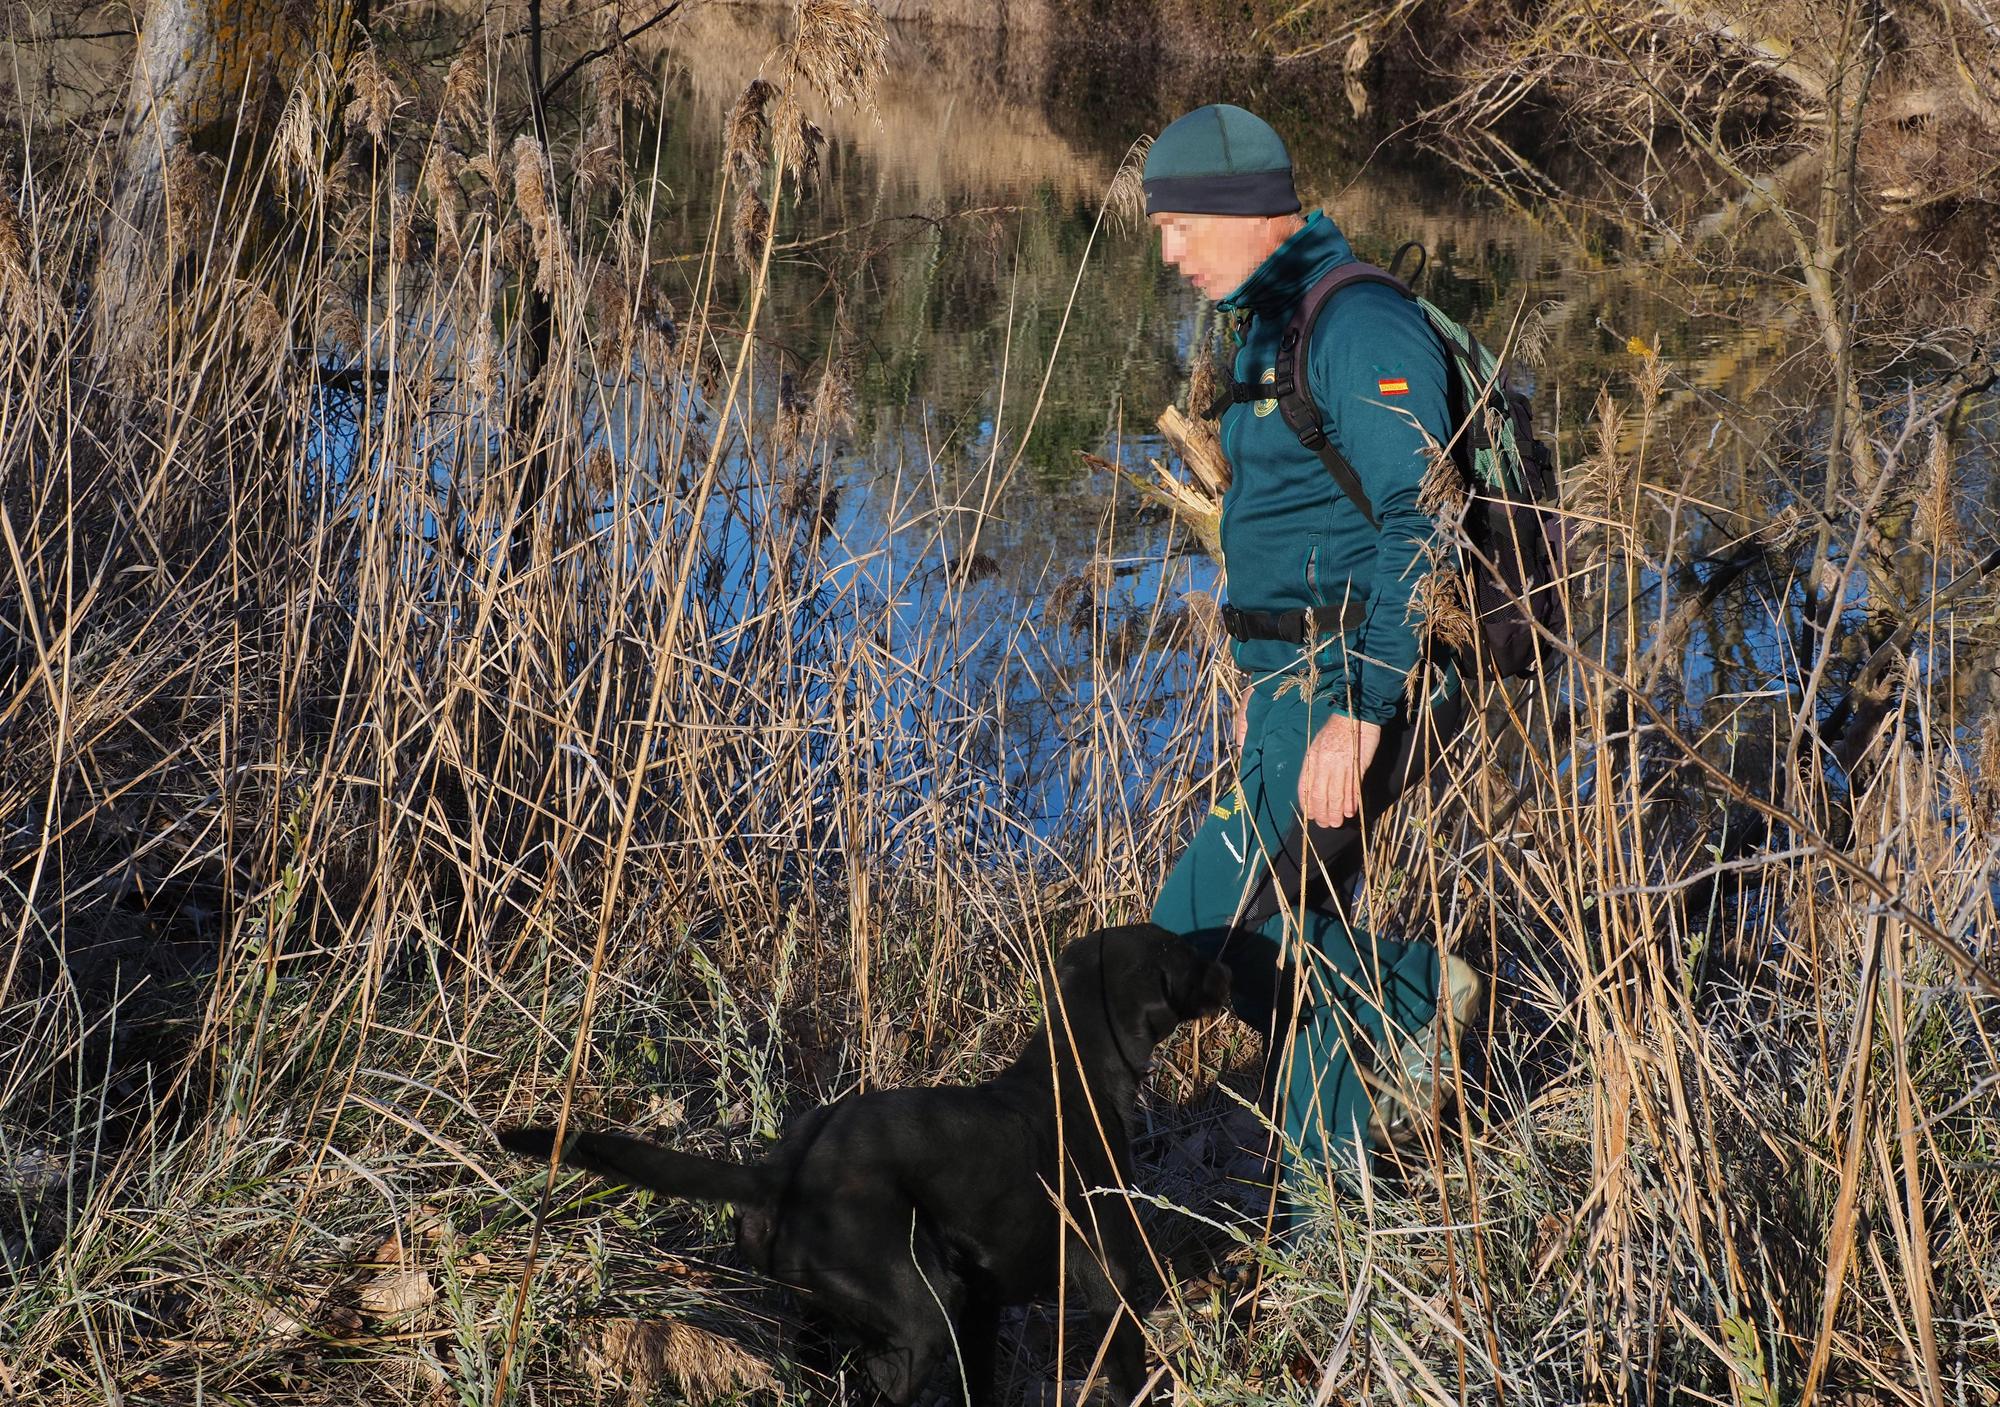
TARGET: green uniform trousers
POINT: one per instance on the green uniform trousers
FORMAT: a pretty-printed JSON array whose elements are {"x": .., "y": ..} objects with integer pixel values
[{"x": 1257, "y": 882}]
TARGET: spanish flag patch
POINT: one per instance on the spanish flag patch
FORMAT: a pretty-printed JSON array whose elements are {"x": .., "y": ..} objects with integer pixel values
[{"x": 1393, "y": 386}]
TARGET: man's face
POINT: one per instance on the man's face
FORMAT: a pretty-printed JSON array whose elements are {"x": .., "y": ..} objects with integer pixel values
[{"x": 1216, "y": 253}]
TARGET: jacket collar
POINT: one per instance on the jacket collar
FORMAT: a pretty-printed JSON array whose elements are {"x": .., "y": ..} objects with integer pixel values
[{"x": 1292, "y": 268}]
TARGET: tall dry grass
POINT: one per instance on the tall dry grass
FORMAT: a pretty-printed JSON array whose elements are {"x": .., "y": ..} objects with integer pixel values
[{"x": 356, "y": 797}]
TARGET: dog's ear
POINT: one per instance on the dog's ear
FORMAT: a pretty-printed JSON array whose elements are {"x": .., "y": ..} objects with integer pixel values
[
  {"x": 1198, "y": 987},
  {"x": 1214, "y": 988},
  {"x": 1192, "y": 985}
]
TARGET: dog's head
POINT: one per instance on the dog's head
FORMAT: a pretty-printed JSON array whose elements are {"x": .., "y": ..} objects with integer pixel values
[{"x": 1150, "y": 976}]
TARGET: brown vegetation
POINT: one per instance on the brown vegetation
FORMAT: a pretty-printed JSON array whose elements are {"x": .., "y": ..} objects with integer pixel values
[{"x": 423, "y": 705}]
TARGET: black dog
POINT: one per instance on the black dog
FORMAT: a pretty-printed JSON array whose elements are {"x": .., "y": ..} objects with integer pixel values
[{"x": 911, "y": 1217}]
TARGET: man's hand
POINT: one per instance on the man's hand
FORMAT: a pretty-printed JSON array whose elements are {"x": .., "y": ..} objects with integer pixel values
[
  {"x": 1336, "y": 761},
  {"x": 1242, "y": 719}
]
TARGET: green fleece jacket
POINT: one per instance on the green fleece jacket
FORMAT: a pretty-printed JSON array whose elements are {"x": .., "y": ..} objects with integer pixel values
[{"x": 1290, "y": 537}]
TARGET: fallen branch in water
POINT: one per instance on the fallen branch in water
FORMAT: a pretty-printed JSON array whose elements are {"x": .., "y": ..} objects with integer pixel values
[
  {"x": 1197, "y": 509},
  {"x": 1196, "y": 442}
]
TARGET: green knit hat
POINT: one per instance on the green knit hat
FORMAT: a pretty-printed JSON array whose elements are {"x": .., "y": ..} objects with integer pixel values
[{"x": 1220, "y": 160}]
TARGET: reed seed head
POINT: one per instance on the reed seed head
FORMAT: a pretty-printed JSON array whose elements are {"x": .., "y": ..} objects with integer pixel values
[
  {"x": 841, "y": 48},
  {"x": 22, "y": 298},
  {"x": 801, "y": 154},
  {"x": 296, "y": 143},
  {"x": 1531, "y": 341},
  {"x": 1441, "y": 610},
  {"x": 14, "y": 247},
  {"x": 402, "y": 228},
  {"x": 1937, "y": 507},
  {"x": 530, "y": 187},
  {"x": 968, "y": 568},
  {"x": 338, "y": 325},
  {"x": 483, "y": 367},
  {"x": 1442, "y": 493},
  {"x": 447, "y": 200},
  {"x": 709, "y": 371},
  {"x": 746, "y": 136},
  {"x": 1600, "y": 482},
  {"x": 531, "y": 195},
  {"x": 832, "y": 403},
  {"x": 376, "y": 97},
  {"x": 515, "y": 248},
  {"x": 462, "y": 100},
  {"x": 1125, "y": 199},
  {"x": 600, "y": 473},
  {"x": 599, "y": 158},
  {"x": 263, "y": 325},
  {"x": 788, "y": 423},
  {"x": 193, "y": 189},
  {"x": 624, "y": 78},
  {"x": 1651, "y": 377},
  {"x": 490, "y": 168},
  {"x": 1979, "y": 796},
  {"x": 611, "y": 300},
  {"x": 750, "y": 229}
]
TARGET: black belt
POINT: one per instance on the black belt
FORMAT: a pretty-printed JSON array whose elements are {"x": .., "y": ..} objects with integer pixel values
[{"x": 1290, "y": 626}]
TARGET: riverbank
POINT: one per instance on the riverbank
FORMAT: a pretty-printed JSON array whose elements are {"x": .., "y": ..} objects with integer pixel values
[{"x": 581, "y": 606}]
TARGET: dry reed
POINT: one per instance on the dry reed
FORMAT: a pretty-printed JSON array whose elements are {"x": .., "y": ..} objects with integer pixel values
[
  {"x": 539, "y": 214},
  {"x": 747, "y": 133},
  {"x": 840, "y": 47},
  {"x": 462, "y": 97},
  {"x": 21, "y": 293},
  {"x": 441, "y": 184},
  {"x": 293, "y": 735},
  {"x": 1126, "y": 198},
  {"x": 193, "y": 190},
  {"x": 14, "y": 246},
  {"x": 832, "y": 409},
  {"x": 800, "y": 152},
  {"x": 376, "y": 96},
  {"x": 749, "y": 229},
  {"x": 295, "y": 146}
]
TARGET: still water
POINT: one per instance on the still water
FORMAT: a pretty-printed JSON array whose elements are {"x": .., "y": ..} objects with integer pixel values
[
  {"x": 955, "y": 258},
  {"x": 1009, "y": 345},
  {"x": 952, "y": 232}
]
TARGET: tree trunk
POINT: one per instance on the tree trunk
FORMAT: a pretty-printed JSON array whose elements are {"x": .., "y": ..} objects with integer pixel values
[{"x": 209, "y": 79}]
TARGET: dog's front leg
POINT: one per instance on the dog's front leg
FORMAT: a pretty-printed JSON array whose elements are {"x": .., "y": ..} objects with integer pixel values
[
  {"x": 1114, "y": 1312},
  {"x": 979, "y": 1348}
]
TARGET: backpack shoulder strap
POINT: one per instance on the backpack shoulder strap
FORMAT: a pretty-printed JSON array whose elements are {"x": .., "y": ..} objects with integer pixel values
[{"x": 1293, "y": 381}]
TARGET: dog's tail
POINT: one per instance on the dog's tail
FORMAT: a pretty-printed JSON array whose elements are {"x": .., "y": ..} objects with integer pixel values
[{"x": 626, "y": 1159}]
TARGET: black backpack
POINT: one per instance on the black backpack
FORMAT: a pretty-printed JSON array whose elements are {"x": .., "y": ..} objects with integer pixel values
[{"x": 1516, "y": 541}]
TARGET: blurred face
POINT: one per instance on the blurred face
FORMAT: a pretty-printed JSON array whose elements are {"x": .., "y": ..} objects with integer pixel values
[{"x": 1216, "y": 253}]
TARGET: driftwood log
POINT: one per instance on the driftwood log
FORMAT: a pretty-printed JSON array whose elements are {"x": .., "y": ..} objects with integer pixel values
[
  {"x": 1196, "y": 442},
  {"x": 1198, "y": 504}
]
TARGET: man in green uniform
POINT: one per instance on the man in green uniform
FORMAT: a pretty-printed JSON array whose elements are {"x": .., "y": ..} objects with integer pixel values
[{"x": 1359, "y": 1036}]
